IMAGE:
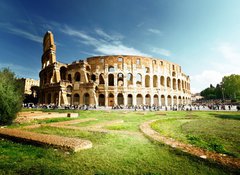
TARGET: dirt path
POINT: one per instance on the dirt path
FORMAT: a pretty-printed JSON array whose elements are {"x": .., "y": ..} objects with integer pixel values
[{"x": 220, "y": 158}]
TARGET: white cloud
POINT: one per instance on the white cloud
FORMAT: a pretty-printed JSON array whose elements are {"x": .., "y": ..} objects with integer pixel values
[
  {"x": 204, "y": 79},
  {"x": 155, "y": 31},
  {"x": 225, "y": 62},
  {"x": 20, "y": 32},
  {"x": 161, "y": 51},
  {"x": 105, "y": 44}
]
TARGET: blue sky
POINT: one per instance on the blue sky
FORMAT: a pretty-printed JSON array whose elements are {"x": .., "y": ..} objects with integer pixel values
[{"x": 202, "y": 36}]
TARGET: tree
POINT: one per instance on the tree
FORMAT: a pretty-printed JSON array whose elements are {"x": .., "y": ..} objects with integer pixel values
[
  {"x": 11, "y": 96},
  {"x": 209, "y": 93},
  {"x": 231, "y": 86}
]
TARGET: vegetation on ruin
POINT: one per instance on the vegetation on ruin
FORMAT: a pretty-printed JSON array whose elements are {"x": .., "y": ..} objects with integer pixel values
[
  {"x": 11, "y": 96},
  {"x": 122, "y": 153}
]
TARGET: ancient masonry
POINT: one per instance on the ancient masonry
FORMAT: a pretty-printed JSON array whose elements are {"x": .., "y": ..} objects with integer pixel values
[{"x": 111, "y": 80}]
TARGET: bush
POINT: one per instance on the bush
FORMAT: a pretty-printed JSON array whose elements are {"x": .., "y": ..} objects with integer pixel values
[{"x": 11, "y": 96}]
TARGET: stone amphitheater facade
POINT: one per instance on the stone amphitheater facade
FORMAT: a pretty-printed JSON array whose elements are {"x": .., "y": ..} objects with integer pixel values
[{"x": 111, "y": 80}]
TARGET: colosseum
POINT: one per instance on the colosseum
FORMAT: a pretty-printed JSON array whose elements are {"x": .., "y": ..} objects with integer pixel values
[{"x": 111, "y": 80}]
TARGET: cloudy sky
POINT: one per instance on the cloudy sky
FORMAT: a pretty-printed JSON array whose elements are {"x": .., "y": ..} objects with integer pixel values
[{"x": 203, "y": 36}]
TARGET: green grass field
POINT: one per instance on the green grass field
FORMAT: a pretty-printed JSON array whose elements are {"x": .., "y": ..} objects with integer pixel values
[{"x": 122, "y": 153}]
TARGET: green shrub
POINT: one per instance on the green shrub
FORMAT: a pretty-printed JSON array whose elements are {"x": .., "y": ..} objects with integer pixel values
[{"x": 11, "y": 96}]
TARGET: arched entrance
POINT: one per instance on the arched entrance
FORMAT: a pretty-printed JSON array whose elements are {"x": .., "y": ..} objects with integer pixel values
[
  {"x": 101, "y": 100},
  {"x": 110, "y": 99},
  {"x": 163, "y": 100},
  {"x": 148, "y": 100},
  {"x": 130, "y": 99},
  {"x": 155, "y": 100},
  {"x": 120, "y": 99},
  {"x": 86, "y": 99},
  {"x": 76, "y": 99},
  {"x": 175, "y": 100},
  {"x": 139, "y": 99},
  {"x": 169, "y": 100}
]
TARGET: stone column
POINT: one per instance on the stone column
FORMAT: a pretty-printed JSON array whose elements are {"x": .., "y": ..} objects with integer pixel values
[
  {"x": 134, "y": 98},
  {"x": 115, "y": 99},
  {"x": 106, "y": 98},
  {"x": 125, "y": 99}
]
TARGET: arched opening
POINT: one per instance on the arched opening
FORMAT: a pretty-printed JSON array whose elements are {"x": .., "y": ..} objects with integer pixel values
[
  {"x": 147, "y": 81},
  {"x": 174, "y": 100},
  {"x": 179, "y": 84},
  {"x": 130, "y": 79},
  {"x": 174, "y": 84},
  {"x": 163, "y": 100},
  {"x": 173, "y": 74},
  {"x": 63, "y": 72},
  {"x": 49, "y": 98},
  {"x": 110, "y": 69},
  {"x": 168, "y": 82},
  {"x": 179, "y": 100},
  {"x": 139, "y": 99},
  {"x": 155, "y": 81},
  {"x": 162, "y": 81},
  {"x": 120, "y": 79},
  {"x": 88, "y": 68},
  {"x": 147, "y": 70},
  {"x": 110, "y": 80},
  {"x": 110, "y": 99},
  {"x": 183, "y": 101},
  {"x": 139, "y": 80},
  {"x": 148, "y": 99},
  {"x": 69, "y": 89},
  {"x": 55, "y": 98},
  {"x": 69, "y": 99},
  {"x": 77, "y": 76},
  {"x": 93, "y": 77},
  {"x": 76, "y": 99},
  {"x": 169, "y": 100},
  {"x": 183, "y": 85},
  {"x": 130, "y": 99},
  {"x": 86, "y": 99},
  {"x": 155, "y": 100},
  {"x": 101, "y": 79},
  {"x": 70, "y": 78},
  {"x": 120, "y": 99},
  {"x": 101, "y": 100}
]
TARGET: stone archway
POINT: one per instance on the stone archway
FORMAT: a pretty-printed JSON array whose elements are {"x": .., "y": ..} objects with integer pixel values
[
  {"x": 120, "y": 99},
  {"x": 101, "y": 100},
  {"x": 110, "y": 99},
  {"x": 130, "y": 100}
]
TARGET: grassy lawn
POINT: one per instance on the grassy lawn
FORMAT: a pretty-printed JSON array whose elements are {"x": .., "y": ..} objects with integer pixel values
[
  {"x": 214, "y": 131},
  {"x": 112, "y": 153}
]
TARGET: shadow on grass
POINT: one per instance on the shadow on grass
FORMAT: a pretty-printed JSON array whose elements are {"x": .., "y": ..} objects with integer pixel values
[{"x": 225, "y": 116}]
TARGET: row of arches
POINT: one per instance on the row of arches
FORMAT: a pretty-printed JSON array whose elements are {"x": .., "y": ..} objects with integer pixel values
[
  {"x": 147, "y": 81},
  {"x": 138, "y": 99},
  {"x": 175, "y": 84}
]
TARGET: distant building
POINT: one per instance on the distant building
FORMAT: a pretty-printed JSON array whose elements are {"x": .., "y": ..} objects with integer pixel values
[
  {"x": 111, "y": 80},
  {"x": 28, "y": 83},
  {"x": 196, "y": 97}
]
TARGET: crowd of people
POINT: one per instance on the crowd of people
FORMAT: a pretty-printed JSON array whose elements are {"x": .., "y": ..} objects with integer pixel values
[{"x": 190, "y": 107}]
